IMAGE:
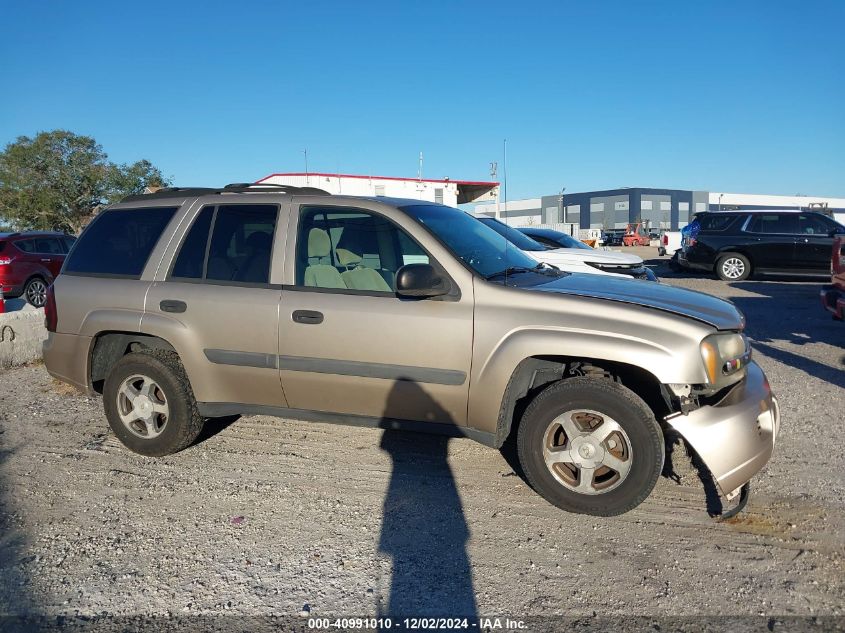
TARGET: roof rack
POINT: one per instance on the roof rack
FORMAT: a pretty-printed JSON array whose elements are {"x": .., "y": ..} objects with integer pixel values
[{"x": 237, "y": 187}]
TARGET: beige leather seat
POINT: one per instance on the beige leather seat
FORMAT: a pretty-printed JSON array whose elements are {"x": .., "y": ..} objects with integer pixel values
[
  {"x": 359, "y": 277},
  {"x": 320, "y": 274}
]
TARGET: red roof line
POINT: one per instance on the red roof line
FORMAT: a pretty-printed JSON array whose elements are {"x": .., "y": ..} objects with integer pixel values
[{"x": 314, "y": 173}]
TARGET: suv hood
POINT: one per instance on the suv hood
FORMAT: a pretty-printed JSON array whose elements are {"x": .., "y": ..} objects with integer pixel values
[
  {"x": 721, "y": 314},
  {"x": 563, "y": 255}
]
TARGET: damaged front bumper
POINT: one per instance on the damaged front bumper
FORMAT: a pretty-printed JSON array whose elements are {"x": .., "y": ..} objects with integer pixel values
[{"x": 736, "y": 436}]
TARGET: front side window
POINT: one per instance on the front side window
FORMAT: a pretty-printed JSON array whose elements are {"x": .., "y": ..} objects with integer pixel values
[
  {"x": 119, "y": 242},
  {"x": 815, "y": 225},
  {"x": 778, "y": 223},
  {"x": 232, "y": 243},
  {"x": 471, "y": 240},
  {"x": 352, "y": 249}
]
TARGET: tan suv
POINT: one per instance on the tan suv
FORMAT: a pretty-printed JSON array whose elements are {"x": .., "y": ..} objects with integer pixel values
[{"x": 194, "y": 303}]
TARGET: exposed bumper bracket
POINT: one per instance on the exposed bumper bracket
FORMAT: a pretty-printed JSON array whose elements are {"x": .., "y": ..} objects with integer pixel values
[{"x": 744, "y": 493}]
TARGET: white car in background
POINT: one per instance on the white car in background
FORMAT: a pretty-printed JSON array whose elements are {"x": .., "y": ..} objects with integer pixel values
[{"x": 577, "y": 257}]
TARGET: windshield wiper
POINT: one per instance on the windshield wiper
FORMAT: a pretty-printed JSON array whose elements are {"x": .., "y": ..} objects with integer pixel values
[{"x": 513, "y": 270}]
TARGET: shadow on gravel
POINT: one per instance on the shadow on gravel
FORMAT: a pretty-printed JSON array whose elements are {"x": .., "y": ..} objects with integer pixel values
[
  {"x": 424, "y": 530},
  {"x": 15, "y": 599},
  {"x": 790, "y": 312},
  {"x": 213, "y": 426}
]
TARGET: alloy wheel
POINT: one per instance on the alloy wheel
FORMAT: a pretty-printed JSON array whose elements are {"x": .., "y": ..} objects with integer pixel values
[
  {"x": 36, "y": 293},
  {"x": 142, "y": 406},
  {"x": 733, "y": 268},
  {"x": 587, "y": 451}
]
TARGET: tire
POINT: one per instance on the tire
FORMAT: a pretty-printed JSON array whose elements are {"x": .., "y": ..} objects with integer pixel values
[
  {"x": 661, "y": 251},
  {"x": 172, "y": 422},
  {"x": 604, "y": 402},
  {"x": 35, "y": 292},
  {"x": 733, "y": 267}
]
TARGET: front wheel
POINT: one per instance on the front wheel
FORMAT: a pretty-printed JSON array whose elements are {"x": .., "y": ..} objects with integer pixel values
[
  {"x": 591, "y": 446},
  {"x": 733, "y": 267}
]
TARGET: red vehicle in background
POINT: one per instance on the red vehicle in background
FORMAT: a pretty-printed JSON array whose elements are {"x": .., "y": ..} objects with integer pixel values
[
  {"x": 636, "y": 235},
  {"x": 30, "y": 261},
  {"x": 833, "y": 296}
]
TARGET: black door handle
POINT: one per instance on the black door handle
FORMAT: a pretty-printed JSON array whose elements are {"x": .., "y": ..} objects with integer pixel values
[
  {"x": 308, "y": 317},
  {"x": 172, "y": 305}
]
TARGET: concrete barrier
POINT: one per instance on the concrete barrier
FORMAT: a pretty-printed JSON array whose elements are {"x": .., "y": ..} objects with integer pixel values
[{"x": 21, "y": 336}]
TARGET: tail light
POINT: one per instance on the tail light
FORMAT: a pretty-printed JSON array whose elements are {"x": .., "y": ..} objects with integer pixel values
[
  {"x": 665, "y": 240},
  {"x": 692, "y": 241},
  {"x": 837, "y": 265},
  {"x": 51, "y": 314}
]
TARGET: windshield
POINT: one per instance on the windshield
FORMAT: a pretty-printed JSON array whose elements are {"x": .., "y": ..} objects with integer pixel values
[
  {"x": 519, "y": 238},
  {"x": 475, "y": 243},
  {"x": 567, "y": 241}
]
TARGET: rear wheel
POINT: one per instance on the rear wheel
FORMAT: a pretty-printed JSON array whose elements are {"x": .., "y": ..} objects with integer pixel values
[
  {"x": 733, "y": 267},
  {"x": 590, "y": 445},
  {"x": 150, "y": 405},
  {"x": 36, "y": 292}
]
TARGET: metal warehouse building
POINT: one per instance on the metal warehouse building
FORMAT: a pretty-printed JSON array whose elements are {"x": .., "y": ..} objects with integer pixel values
[
  {"x": 445, "y": 191},
  {"x": 661, "y": 208}
]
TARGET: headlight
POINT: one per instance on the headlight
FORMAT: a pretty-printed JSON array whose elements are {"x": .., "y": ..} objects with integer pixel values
[{"x": 724, "y": 354}]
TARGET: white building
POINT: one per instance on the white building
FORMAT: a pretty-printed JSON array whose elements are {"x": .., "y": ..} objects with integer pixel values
[{"x": 445, "y": 191}]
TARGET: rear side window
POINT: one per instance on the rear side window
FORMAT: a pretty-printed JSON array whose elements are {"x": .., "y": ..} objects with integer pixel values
[
  {"x": 715, "y": 222},
  {"x": 238, "y": 249},
  {"x": 118, "y": 242},
  {"x": 48, "y": 246},
  {"x": 782, "y": 223},
  {"x": 191, "y": 259},
  {"x": 27, "y": 246}
]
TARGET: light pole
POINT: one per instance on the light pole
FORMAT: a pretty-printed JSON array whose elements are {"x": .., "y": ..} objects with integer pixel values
[
  {"x": 305, "y": 151},
  {"x": 720, "y": 201},
  {"x": 560, "y": 216}
]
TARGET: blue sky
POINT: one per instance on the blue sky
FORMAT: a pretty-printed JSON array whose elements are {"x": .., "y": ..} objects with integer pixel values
[{"x": 724, "y": 96}]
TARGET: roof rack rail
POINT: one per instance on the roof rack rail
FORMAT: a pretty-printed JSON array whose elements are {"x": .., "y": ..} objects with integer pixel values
[
  {"x": 236, "y": 187},
  {"x": 253, "y": 186}
]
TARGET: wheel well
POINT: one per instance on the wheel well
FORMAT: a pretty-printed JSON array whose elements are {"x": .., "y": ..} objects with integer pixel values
[
  {"x": 534, "y": 374},
  {"x": 110, "y": 347}
]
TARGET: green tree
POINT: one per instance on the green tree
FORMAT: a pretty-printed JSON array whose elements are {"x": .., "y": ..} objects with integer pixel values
[{"x": 57, "y": 179}]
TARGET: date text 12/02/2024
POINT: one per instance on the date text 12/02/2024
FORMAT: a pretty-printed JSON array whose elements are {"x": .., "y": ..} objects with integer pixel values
[{"x": 445, "y": 624}]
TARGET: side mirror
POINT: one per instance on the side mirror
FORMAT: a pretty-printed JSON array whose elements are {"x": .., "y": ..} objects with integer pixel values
[{"x": 420, "y": 281}]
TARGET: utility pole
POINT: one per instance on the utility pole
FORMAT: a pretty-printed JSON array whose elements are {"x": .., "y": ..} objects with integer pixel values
[
  {"x": 505, "y": 175},
  {"x": 305, "y": 151},
  {"x": 494, "y": 172}
]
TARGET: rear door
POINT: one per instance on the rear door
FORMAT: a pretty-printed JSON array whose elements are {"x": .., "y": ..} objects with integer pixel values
[
  {"x": 773, "y": 241},
  {"x": 216, "y": 305},
  {"x": 51, "y": 254},
  {"x": 814, "y": 244}
]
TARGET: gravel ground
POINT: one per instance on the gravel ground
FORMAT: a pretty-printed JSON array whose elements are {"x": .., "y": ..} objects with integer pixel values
[{"x": 266, "y": 516}]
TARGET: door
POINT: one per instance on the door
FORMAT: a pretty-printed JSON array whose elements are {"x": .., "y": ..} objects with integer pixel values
[
  {"x": 51, "y": 254},
  {"x": 772, "y": 241},
  {"x": 814, "y": 243},
  {"x": 348, "y": 344},
  {"x": 216, "y": 305}
]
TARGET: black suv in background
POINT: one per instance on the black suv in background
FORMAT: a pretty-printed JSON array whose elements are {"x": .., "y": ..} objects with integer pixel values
[{"x": 737, "y": 244}]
